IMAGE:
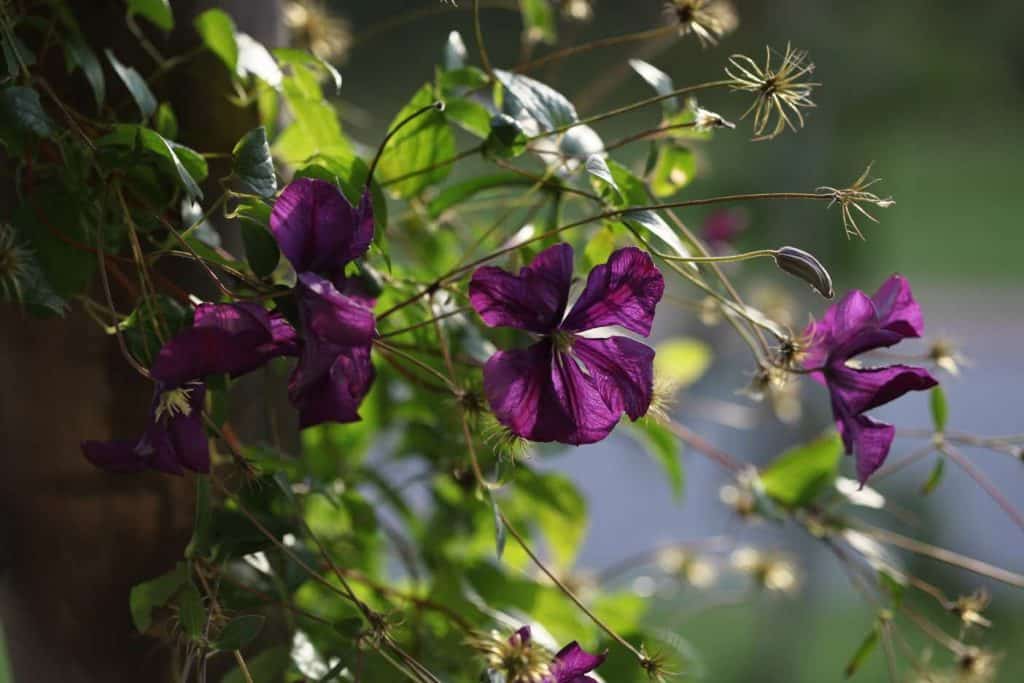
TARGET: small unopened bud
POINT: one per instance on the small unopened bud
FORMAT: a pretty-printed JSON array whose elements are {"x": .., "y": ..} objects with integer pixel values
[{"x": 806, "y": 267}]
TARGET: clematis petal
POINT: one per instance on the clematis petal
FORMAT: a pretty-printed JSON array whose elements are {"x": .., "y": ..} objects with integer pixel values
[
  {"x": 328, "y": 385},
  {"x": 332, "y": 316},
  {"x": 869, "y": 440},
  {"x": 849, "y": 317},
  {"x": 624, "y": 291},
  {"x": 861, "y": 390},
  {"x": 623, "y": 370},
  {"x": 317, "y": 228},
  {"x": 572, "y": 663},
  {"x": 533, "y": 300},
  {"x": 591, "y": 418},
  {"x": 187, "y": 435},
  {"x": 897, "y": 309},
  {"x": 113, "y": 456},
  {"x": 518, "y": 387}
]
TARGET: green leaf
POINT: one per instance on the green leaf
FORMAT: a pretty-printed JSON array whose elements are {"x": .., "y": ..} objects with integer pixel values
[
  {"x": 681, "y": 362},
  {"x": 453, "y": 195},
  {"x": 797, "y": 476},
  {"x": 469, "y": 115},
  {"x": 456, "y": 82},
  {"x": 500, "y": 533},
  {"x": 147, "y": 596},
  {"x": 157, "y": 11},
  {"x": 601, "y": 245},
  {"x": 81, "y": 55},
  {"x": 136, "y": 85},
  {"x": 507, "y": 138},
  {"x": 315, "y": 131},
  {"x": 51, "y": 221},
  {"x": 255, "y": 60},
  {"x": 935, "y": 478},
  {"x": 253, "y": 165},
  {"x": 16, "y": 53},
  {"x": 165, "y": 122},
  {"x": 261, "y": 250},
  {"x": 426, "y": 141},
  {"x": 191, "y": 612},
  {"x": 659, "y": 80},
  {"x": 675, "y": 168},
  {"x": 22, "y": 113},
  {"x": 189, "y": 166},
  {"x": 558, "y": 508},
  {"x": 940, "y": 409},
  {"x": 866, "y": 647},
  {"x": 292, "y": 56},
  {"x": 239, "y": 632},
  {"x": 269, "y": 665},
  {"x": 217, "y": 30},
  {"x": 663, "y": 446},
  {"x": 199, "y": 544},
  {"x": 539, "y": 24},
  {"x": 597, "y": 166}
]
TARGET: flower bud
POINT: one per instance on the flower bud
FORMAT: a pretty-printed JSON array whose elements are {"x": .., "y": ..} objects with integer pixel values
[{"x": 806, "y": 267}]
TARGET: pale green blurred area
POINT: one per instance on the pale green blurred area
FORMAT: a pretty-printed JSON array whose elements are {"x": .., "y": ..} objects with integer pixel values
[{"x": 932, "y": 91}]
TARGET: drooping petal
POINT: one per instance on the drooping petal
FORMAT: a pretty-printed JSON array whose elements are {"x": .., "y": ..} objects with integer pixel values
[
  {"x": 332, "y": 316},
  {"x": 572, "y": 663},
  {"x": 861, "y": 390},
  {"x": 897, "y": 309},
  {"x": 187, "y": 434},
  {"x": 329, "y": 387},
  {"x": 225, "y": 338},
  {"x": 318, "y": 229},
  {"x": 624, "y": 291},
  {"x": 868, "y": 440},
  {"x": 533, "y": 300},
  {"x": 522, "y": 396},
  {"x": 850, "y": 316},
  {"x": 114, "y": 456},
  {"x": 623, "y": 370}
]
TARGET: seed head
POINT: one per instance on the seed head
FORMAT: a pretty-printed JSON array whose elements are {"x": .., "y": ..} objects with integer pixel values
[
  {"x": 780, "y": 92},
  {"x": 325, "y": 35},
  {"x": 970, "y": 607},
  {"x": 853, "y": 197},
  {"x": 946, "y": 356},
  {"x": 521, "y": 660},
  {"x": 16, "y": 265},
  {"x": 708, "y": 20}
]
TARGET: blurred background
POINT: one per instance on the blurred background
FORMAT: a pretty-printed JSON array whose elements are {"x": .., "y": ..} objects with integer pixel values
[{"x": 932, "y": 92}]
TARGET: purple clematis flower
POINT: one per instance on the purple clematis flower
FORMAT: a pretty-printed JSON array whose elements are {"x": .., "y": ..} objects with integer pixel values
[
  {"x": 568, "y": 387},
  {"x": 320, "y": 233},
  {"x": 722, "y": 228},
  {"x": 230, "y": 339},
  {"x": 854, "y": 325},
  {"x": 173, "y": 442},
  {"x": 224, "y": 339},
  {"x": 570, "y": 665}
]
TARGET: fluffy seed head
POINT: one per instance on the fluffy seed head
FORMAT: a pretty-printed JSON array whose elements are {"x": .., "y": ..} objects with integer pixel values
[{"x": 781, "y": 92}]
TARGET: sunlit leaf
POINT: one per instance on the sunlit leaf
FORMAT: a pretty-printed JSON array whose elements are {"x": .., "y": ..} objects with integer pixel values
[
  {"x": 136, "y": 85},
  {"x": 157, "y": 11},
  {"x": 217, "y": 30},
  {"x": 796, "y": 477},
  {"x": 674, "y": 169},
  {"x": 422, "y": 144},
  {"x": 147, "y": 596},
  {"x": 681, "y": 362}
]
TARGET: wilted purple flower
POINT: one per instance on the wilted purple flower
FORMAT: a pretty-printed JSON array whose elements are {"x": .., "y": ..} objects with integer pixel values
[
  {"x": 569, "y": 387},
  {"x": 173, "y": 442},
  {"x": 318, "y": 230},
  {"x": 320, "y": 233},
  {"x": 230, "y": 339},
  {"x": 856, "y": 324}
]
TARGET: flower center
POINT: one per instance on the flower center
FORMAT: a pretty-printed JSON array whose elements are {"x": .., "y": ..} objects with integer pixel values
[
  {"x": 173, "y": 403},
  {"x": 562, "y": 340}
]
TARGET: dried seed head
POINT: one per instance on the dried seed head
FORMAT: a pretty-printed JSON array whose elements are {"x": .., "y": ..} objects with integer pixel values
[
  {"x": 851, "y": 198},
  {"x": 326, "y": 35},
  {"x": 978, "y": 666},
  {"x": 16, "y": 265},
  {"x": 780, "y": 92},
  {"x": 708, "y": 20},
  {"x": 946, "y": 356},
  {"x": 772, "y": 571},
  {"x": 970, "y": 607}
]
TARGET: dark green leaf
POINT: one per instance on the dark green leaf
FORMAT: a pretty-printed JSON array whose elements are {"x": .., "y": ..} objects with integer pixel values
[
  {"x": 269, "y": 665},
  {"x": 147, "y": 596},
  {"x": 935, "y": 478},
  {"x": 797, "y": 476},
  {"x": 81, "y": 55},
  {"x": 16, "y": 53},
  {"x": 866, "y": 647},
  {"x": 663, "y": 446},
  {"x": 136, "y": 85},
  {"x": 940, "y": 409},
  {"x": 597, "y": 166},
  {"x": 253, "y": 164},
  {"x": 507, "y": 138},
  {"x": 424, "y": 143},
  {"x": 21, "y": 112},
  {"x": 189, "y": 166},
  {"x": 239, "y": 632},
  {"x": 199, "y": 545},
  {"x": 51, "y": 221},
  {"x": 218, "y": 32},
  {"x": 191, "y": 612},
  {"x": 261, "y": 250},
  {"x": 157, "y": 11},
  {"x": 165, "y": 122}
]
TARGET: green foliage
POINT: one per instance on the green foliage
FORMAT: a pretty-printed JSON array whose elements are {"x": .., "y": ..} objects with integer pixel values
[
  {"x": 239, "y": 632},
  {"x": 188, "y": 167},
  {"x": 864, "y": 650},
  {"x": 940, "y": 409},
  {"x": 22, "y": 116},
  {"x": 675, "y": 168},
  {"x": 149, "y": 595},
  {"x": 157, "y": 11},
  {"x": 663, "y": 446},
  {"x": 681, "y": 361},
  {"x": 935, "y": 477},
  {"x": 217, "y": 30},
  {"x": 425, "y": 143},
  {"x": 253, "y": 165},
  {"x": 799, "y": 475},
  {"x": 539, "y": 21},
  {"x": 136, "y": 84}
]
